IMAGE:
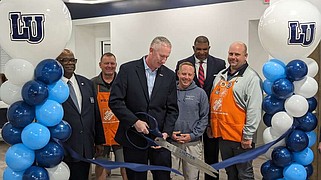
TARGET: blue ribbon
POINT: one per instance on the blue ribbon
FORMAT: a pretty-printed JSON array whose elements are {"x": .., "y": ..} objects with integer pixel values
[
  {"x": 244, "y": 157},
  {"x": 113, "y": 165},
  {"x": 249, "y": 155}
]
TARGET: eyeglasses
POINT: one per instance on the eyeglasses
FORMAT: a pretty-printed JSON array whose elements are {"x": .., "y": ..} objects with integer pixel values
[{"x": 66, "y": 60}]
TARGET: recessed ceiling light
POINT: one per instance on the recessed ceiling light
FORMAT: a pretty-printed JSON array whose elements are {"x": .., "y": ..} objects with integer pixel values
[{"x": 89, "y": 1}]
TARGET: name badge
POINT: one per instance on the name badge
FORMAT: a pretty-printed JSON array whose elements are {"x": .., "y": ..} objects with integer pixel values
[{"x": 92, "y": 100}]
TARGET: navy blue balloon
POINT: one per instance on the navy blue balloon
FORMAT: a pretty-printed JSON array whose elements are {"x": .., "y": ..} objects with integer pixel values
[
  {"x": 11, "y": 134},
  {"x": 309, "y": 169},
  {"x": 272, "y": 105},
  {"x": 297, "y": 141},
  {"x": 34, "y": 92},
  {"x": 281, "y": 156},
  {"x": 35, "y": 172},
  {"x": 20, "y": 114},
  {"x": 267, "y": 119},
  {"x": 312, "y": 104},
  {"x": 48, "y": 71},
  {"x": 306, "y": 123},
  {"x": 282, "y": 88},
  {"x": 61, "y": 131},
  {"x": 50, "y": 155},
  {"x": 270, "y": 171},
  {"x": 296, "y": 70}
]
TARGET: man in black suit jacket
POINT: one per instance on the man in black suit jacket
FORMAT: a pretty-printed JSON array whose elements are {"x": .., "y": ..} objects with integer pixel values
[
  {"x": 211, "y": 66},
  {"x": 145, "y": 85},
  {"x": 83, "y": 116}
]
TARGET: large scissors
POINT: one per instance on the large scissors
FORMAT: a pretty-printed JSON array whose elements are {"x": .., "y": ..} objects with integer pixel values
[{"x": 178, "y": 152}]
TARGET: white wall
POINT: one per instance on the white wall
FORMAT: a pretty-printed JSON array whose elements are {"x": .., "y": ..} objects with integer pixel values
[{"x": 131, "y": 34}]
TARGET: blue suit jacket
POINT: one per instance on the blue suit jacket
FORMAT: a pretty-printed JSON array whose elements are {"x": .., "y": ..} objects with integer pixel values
[
  {"x": 214, "y": 65},
  {"x": 87, "y": 130},
  {"x": 129, "y": 94}
]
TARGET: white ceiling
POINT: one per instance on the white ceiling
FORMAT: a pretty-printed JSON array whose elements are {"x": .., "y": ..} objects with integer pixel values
[{"x": 89, "y": 1}]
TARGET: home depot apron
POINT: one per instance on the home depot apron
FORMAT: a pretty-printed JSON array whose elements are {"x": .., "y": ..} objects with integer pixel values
[
  {"x": 109, "y": 120},
  {"x": 227, "y": 118}
]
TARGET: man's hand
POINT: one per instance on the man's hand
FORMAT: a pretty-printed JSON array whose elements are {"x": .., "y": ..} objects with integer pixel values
[
  {"x": 141, "y": 126},
  {"x": 209, "y": 132},
  {"x": 99, "y": 150},
  {"x": 319, "y": 147},
  {"x": 246, "y": 143},
  {"x": 185, "y": 138}
]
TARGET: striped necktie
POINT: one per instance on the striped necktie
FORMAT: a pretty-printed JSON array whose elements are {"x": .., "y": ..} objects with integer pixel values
[
  {"x": 72, "y": 94},
  {"x": 201, "y": 77}
]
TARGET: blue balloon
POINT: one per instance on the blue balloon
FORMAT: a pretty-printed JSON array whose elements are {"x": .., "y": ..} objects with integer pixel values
[
  {"x": 11, "y": 134},
  {"x": 35, "y": 136},
  {"x": 49, "y": 113},
  {"x": 272, "y": 71},
  {"x": 20, "y": 114},
  {"x": 281, "y": 156},
  {"x": 309, "y": 169},
  {"x": 312, "y": 104},
  {"x": 297, "y": 140},
  {"x": 58, "y": 91},
  {"x": 296, "y": 70},
  {"x": 312, "y": 136},
  {"x": 272, "y": 105},
  {"x": 18, "y": 157},
  {"x": 36, "y": 172},
  {"x": 304, "y": 157},
  {"x": 34, "y": 92},
  {"x": 267, "y": 86},
  {"x": 306, "y": 123},
  {"x": 50, "y": 155},
  {"x": 9, "y": 174},
  {"x": 267, "y": 119},
  {"x": 61, "y": 131},
  {"x": 270, "y": 172},
  {"x": 48, "y": 71},
  {"x": 295, "y": 171},
  {"x": 282, "y": 88}
]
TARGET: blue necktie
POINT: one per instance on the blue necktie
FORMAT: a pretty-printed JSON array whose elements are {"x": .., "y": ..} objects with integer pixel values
[{"x": 72, "y": 94}]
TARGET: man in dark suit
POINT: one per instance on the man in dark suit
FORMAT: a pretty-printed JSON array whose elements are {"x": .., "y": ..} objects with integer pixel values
[
  {"x": 82, "y": 113},
  {"x": 145, "y": 85},
  {"x": 206, "y": 67}
]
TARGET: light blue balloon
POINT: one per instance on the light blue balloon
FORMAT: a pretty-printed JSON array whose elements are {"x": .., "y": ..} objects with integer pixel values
[
  {"x": 267, "y": 86},
  {"x": 58, "y": 91},
  {"x": 19, "y": 157},
  {"x": 278, "y": 62},
  {"x": 312, "y": 138},
  {"x": 304, "y": 157},
  {"x": 273, "y": 70},
  {"x": 49, "y": 113},
  {"x": 35, "y": 136},
  {"x": 295, "y": 171},
  {"x": 9, "y": 174}
]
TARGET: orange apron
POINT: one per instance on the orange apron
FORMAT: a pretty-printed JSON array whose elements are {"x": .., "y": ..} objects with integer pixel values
[
  {"x": 110, "y": 122},
  {"x": 227, "y": 118}
]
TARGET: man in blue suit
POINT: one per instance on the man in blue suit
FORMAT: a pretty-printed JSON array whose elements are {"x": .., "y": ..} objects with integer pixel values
[
  {"x": 204, "y": 78},
  {"x": 145, "y": 85},
  {"x": 82, "y": 113}
]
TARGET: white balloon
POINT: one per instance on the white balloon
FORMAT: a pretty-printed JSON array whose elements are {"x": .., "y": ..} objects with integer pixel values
[
  {"x": 35, "y": 29},
  {"x": 307, "y": 87},
  {"x": 286, "y": 26},
  {"x": 59, "y": 172},
  {"x": 313, "y": 66},
  {"x": 296, "y": 105},
  {"x": 269, "y": 135},
  {"x": 281, "y": 122},
  {"x": 19, "y": 71},
  {"x": 10, "y": 93}
]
